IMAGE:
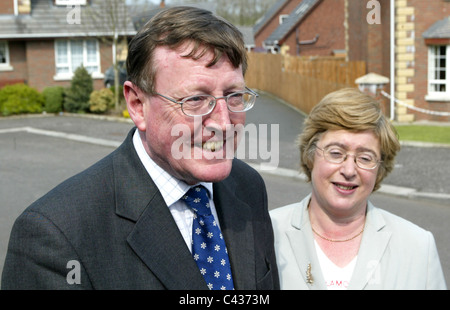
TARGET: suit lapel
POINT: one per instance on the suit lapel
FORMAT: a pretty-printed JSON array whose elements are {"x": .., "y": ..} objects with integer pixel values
[
  {"x": 236, "y": 225},
  {"x": 373, "y": 246},
  {"x": 158, "y": 242},
  {"x": 302, "y": 243},
  {"x": 155, "y": 237}
]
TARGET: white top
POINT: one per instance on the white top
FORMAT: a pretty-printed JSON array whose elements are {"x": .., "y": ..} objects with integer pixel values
[
  {"x": 172, "y": 190},
  {"x": 336, "y": 278}
]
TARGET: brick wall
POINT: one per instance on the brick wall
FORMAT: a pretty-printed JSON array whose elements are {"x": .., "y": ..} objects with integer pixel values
[
  {"x": 426, "y": 14},
  {"x": 267, "y": 30},
  {"x": 327, "y": 21},
  {"x": 40, "y": 65},
  {"x": 17, "y": 60},
  {"x": 7, "y": 7},
  {"x": 371, "y": 43}
]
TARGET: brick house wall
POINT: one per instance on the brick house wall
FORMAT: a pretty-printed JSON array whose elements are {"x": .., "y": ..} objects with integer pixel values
[
  {"x": 267, "y": 30},
  {"x": 426, "y": 13},
  {"x": 41, "y": 64},
  {"x": 33, "y": 63},
  {"x": 30, "y": 41},
  {"x": 325, "y": 20},
  {"x": 18, "y": 60},
  {"x": 6, "y": 7},
  {"x": 371, "y": 43}
]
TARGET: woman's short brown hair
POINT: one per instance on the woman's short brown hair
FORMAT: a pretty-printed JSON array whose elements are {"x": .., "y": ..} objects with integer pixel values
[
  {"x": 348, "y": 109},
  {"x": 172, "y": 28}
]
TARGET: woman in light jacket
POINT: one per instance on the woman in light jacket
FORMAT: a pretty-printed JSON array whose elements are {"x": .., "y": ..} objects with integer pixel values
[{"x": 335, "y": 238}]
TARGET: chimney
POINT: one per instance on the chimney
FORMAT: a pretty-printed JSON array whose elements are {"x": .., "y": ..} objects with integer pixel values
[{"x": 162, "y": 4}]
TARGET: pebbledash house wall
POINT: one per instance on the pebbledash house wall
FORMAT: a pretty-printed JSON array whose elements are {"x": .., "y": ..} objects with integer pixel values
[{"x": 33, "y": 62}]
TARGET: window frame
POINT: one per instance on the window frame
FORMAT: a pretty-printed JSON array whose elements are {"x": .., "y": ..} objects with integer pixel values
[
  {"x": 6, "y": 66},
  {"x": 86, "y": 62},
  {"x": 432, "y": 94}
]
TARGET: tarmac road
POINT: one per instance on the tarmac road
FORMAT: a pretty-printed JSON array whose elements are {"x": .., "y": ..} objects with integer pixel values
[{"x": 37, "y": 153}]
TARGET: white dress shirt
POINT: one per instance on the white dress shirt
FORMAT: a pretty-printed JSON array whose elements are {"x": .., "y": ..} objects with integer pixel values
[{"x": 172, "y": 190}]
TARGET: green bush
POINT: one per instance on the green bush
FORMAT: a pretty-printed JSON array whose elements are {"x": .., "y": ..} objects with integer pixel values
[
  {"x": 121, "y": 97},
  {"x": 101, "y": 100},
  {"x": 77, "y": 95},
  {"x": 54, "y": 99},
  {"x": 20, "y": 98}
]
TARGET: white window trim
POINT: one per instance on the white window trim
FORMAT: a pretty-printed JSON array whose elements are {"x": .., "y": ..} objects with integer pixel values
[
  {"x": 433, "y": 95},
  {"x": 282, "y": 18},
  {"x": 69, "y": 76},
  {"x": 6, "y": 66}
]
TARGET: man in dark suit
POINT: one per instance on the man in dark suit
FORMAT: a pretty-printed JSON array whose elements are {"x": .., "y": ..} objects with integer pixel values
[{"x": 121, "y": 224}]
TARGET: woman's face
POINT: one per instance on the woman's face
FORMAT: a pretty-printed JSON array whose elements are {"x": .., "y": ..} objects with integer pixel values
[{"x": 343, "y": 189}]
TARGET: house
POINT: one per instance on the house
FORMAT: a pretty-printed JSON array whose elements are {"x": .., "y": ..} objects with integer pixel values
[
  {"x": 43, "y": 42},
  {"x": 302, "y": 28},
  {"x": 421, "y": 54},
  {"x": 418, "y": 64}
]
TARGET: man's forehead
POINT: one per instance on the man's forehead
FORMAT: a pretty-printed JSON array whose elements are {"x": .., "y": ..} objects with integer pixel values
[{"x": 166, "y": 57}]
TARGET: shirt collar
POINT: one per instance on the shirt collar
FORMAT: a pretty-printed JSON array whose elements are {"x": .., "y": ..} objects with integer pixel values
[{"x": 170, "y": 187}]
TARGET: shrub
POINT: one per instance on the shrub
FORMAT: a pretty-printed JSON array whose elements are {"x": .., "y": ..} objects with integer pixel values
[
  {"x": 54, "y": 99},
  {"x": 101, "y": 100},
  {"x": 121, "y": 97},
  {"x": 20, "y": 98},
  {"x": 77, "y": 95}
]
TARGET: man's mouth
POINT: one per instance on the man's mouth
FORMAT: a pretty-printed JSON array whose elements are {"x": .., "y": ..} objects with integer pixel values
[{"x": 212, "y": 146}]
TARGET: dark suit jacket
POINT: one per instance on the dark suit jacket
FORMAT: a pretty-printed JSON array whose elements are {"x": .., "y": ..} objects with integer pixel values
[{"x": 113, "y": 222}]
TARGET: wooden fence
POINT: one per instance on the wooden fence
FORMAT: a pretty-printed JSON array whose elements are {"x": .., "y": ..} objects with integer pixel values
[{"x": 300, "y": 81}]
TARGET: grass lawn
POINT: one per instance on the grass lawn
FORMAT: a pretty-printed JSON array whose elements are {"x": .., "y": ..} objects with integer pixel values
[{"x": 424, "y": 133}]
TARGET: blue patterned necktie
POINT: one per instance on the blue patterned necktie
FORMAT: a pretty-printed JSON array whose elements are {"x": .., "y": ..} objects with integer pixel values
[{"x": 208, "y": 247}]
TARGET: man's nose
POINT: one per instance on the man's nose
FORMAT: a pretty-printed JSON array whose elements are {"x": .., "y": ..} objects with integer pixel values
[{"x": 220, "y": 116}]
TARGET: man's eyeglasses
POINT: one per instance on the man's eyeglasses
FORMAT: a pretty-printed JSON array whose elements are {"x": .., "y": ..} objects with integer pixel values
[
  {"x": 336, "y": 155},
  {"x": 199, "y": 105}
]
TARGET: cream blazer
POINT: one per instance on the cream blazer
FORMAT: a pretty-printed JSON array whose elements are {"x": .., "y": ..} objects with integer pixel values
[{"x": 394, "y": 253}]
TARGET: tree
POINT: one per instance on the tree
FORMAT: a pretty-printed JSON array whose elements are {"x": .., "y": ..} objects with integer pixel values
[
  {"x": 238, "y": 12},
  {"x": 77, "y": 95},
  {"x": 110, "y": 19}
]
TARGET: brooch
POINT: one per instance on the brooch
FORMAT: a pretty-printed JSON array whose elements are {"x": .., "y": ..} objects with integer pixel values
[{"x": 309, "y": 277}]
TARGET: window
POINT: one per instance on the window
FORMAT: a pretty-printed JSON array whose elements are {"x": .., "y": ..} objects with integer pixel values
[
  {"x": 71, "y": 54},
  {"x": 4, "y": 56},
  {"x": 438, "y": 72},
  {"x": 282, "y": 18}
]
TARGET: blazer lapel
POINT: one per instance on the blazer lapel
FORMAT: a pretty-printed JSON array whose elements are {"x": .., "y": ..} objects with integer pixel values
[
  {"x": 302, "y": 243},
  {"x": 155, "y": 237},
  {"x": 373, "y": 246},
  {"x": 236, "y": 226}
]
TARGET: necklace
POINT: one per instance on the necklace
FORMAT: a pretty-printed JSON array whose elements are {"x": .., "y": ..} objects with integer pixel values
[{"x": 332, "y": 240}]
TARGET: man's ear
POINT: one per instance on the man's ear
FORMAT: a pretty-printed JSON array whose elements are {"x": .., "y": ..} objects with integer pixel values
[{"x": 135, "y": 99}]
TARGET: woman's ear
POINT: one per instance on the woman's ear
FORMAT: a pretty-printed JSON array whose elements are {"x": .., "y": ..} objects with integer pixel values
[{"x": 135, "y": 99}]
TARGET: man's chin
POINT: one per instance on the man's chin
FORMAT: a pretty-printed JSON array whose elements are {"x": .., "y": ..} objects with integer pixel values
[{"x": 212, "y": 170}]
